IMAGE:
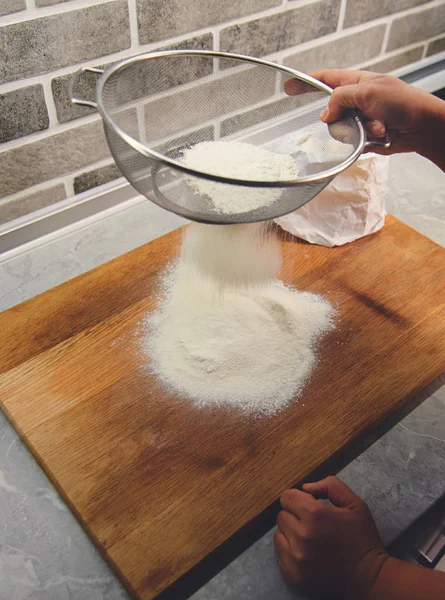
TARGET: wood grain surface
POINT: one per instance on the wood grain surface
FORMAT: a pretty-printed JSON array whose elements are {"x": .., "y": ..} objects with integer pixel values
[{"x": 160, "y": 484}]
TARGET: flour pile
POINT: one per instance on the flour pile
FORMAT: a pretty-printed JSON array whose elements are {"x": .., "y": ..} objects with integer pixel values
[
  {"x": 237, "y": 160},
  {"x": 216, "y": 341}
]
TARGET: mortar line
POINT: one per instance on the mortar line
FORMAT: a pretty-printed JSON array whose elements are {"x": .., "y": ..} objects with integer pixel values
[
  {"x": 50, "y": 104},
  {"x": 386, "y": 36},
  {"x": 341, "y": 16},
  {"x": 134, "y": 27}
]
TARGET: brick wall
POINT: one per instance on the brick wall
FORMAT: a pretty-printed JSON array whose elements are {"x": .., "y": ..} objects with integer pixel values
[{"x": 51, "y": 150}]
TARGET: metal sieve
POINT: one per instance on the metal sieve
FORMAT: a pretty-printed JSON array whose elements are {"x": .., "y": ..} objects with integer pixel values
[{"x": 157, "y": 105}]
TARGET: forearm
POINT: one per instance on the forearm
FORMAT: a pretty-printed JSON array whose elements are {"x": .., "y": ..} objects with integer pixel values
[
  {"x": 398, "y": 580},
  {"x": 432, "y": 142}
]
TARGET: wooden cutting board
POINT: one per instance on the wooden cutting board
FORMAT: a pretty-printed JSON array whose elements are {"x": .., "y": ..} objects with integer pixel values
[{"x": 160, "y": 484}]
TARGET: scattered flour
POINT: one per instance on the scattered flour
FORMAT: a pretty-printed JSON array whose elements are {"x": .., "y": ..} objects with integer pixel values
[
  {"x": 251, "y": 347},
  {"x": 237, "y": 160}
]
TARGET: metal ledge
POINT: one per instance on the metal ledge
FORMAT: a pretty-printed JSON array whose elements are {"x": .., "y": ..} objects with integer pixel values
[{"x": 68, "y": 212}]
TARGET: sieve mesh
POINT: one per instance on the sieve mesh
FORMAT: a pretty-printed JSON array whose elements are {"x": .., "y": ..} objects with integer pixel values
[{"x": 156, "y": 106}]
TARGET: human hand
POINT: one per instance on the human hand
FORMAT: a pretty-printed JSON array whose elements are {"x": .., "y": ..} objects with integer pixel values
[
  {"x": 328, "y": 548},
  {"x": 411, "y": 117}
]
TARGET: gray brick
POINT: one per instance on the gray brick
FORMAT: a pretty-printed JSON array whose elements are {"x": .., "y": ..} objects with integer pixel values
[
  {"x": 22, "y": 112},
  {"x": 27, "y": 204},
  {"x": 342, "y": 53},
  {"x": 417, "y": 27},
  {"x": 395, "y": 62},
  {"x": 49, "y": 2},
  {"x": 11, "y": 6},
  {"x": 184, "y": 70},
  {"x": 91, "y": 179},
  {"x": 177, "y": 112},
  {"x": 161, "y": 19},
  {"x": 283, "y": 30},
  {"x": 257, "y": 115},
  {"x": 436, "y": 46},
  {"x": 360, "y": 11},
  {"x": 51, "y": 157},
  {"x": 146, "y": 78},
  {"x": 151, "y": 80},
  {"x": 41, "y": 45}
]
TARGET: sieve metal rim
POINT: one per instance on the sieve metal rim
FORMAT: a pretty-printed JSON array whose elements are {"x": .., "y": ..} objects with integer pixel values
[{"x": 169, "y": 162}]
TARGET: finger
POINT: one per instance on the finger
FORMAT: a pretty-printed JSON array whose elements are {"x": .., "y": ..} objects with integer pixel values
[
  {"x": 347, "y": 96},
  {"x": 296, "y": 502},
  {"x": 288, "y": 524},
  {"x": 295, "y": 87},
  {"x": 281, "y": 544},
  {"x": 337, "y": 77},
  {"x": 292, "y": 573},
  {"x": 375, "y": 128},
  {"x": 290, "y": 527},
  {"x": 334, "y": 490}
]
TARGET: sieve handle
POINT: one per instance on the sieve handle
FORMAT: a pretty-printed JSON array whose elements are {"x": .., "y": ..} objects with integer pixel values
[
  {"x": 378, "y": 143},
  {"x": 73, "y": 81}
]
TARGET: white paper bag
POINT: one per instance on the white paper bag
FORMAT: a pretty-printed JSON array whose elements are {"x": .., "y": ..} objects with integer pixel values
[{"x": 350, "y": 207}]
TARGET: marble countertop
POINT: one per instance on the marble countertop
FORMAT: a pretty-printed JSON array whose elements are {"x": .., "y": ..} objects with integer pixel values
[{"x": 45, "y": 554}]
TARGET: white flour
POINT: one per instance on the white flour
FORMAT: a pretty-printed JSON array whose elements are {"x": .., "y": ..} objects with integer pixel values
[
  {"x": 237, "y": 160},
  {"x": 252, "y": 347}
]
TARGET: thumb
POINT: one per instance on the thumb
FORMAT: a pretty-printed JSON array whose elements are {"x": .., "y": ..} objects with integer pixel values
[
  {"x": 346, "y": 96},
  {"x": 334, "y": 490}
]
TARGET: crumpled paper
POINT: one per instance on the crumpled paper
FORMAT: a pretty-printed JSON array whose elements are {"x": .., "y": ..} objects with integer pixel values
[{"x": 350, "y": 207}]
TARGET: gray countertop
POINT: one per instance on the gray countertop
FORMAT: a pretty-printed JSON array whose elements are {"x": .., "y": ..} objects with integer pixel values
[{"x": 45, "y": 554}]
